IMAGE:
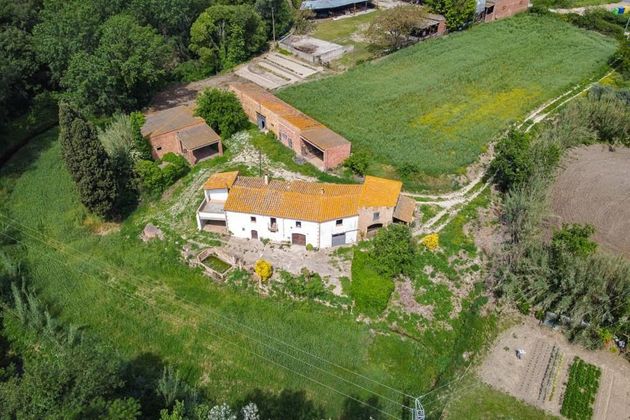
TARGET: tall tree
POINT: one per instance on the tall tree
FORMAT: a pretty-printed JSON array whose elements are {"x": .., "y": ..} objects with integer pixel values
[
  {"x": 211, "y": 36},
  {"x": 88, "y": 163},
  {"x": 277, "y": 14},
  {"x": 129, "y": 64},
  {"x": 222, "y": 111}
]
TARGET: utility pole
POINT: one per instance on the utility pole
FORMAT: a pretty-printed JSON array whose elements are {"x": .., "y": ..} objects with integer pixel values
[
  {"x": 273, "y": 24},
  {"x": 418, "y": 411}
]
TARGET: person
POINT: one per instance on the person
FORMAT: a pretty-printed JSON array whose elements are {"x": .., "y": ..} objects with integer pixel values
[{"x": 520, "y": 353}]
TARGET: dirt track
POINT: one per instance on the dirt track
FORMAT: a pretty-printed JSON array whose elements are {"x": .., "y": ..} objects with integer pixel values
[{"x": 594, "y": 187}]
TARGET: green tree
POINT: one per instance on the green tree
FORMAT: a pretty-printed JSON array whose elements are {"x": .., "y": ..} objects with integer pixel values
[
  {"x": 222, "y": 111},
  {"x": 392, "y": 250},
  {"x": 392, "y": 28},
  {"x": 211, "y": 35},
  {"x": 277, "y": 15},
  {"x": 458, "y": 13},
  {"x": 512, "y": 165},
  {"x": 129, "y": 64},
  {"x": 88, "y": 163},
  {"x": 574, "y": 239},
  {"x": 358, "y": 162}
]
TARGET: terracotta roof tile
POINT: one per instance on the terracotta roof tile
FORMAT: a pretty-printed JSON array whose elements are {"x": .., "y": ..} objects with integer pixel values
[
  {"x": 379, "y": 192},
  {"x": 197, "y": 136},
  {"x": 220, "y": 180},
  {"x": 405, "y": 209},
  {"x": 165, "y": 121}
]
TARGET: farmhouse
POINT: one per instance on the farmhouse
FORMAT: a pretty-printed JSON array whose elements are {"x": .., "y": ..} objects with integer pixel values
[
  {"x": 301, "y": 213},
  {"x": 309, "y": 139},
  {"x": 177, "y": 130}
]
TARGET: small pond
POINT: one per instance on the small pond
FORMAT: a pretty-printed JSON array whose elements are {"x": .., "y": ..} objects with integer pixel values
[{"x": 217, "y": 264}]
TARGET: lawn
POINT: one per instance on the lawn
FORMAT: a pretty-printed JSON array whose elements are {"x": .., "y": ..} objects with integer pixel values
[
  {"x": 348, "y": 31},
  {"x": 230, "y": 342},
  {"x": 431, "y": 109}
]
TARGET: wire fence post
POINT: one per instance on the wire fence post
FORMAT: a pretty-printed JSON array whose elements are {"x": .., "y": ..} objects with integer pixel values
[{"x": 418, "y": 410}]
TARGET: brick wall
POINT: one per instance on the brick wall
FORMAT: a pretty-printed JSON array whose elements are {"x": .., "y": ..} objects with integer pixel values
[
  {"x": 163, "y": 144},
  {"x": 335, "y": 156},
  {"x": 507, "y": 8},
  {"x": 366, "y": 218}
]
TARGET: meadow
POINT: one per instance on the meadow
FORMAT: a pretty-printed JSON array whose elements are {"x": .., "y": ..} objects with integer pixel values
[
  {"x": 430, "y": 110},
  {"x": 234, "y": 344}
]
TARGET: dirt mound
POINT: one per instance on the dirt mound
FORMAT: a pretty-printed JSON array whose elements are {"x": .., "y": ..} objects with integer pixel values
[{"x": 594, "y": 187}]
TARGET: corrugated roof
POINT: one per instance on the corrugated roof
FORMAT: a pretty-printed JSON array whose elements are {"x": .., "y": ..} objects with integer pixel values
[
  {"x": 328, "y": 4},
  {"x": 309, "y": 201},
  {"x": 168, "y": 120},
  {"x": 379, "y": 192},
  {"x": 405, "y": 209},
  {"x": 323, "y": 137},
  {"x": 197, "y": 136},
  {"x": 220, "y": 180}
]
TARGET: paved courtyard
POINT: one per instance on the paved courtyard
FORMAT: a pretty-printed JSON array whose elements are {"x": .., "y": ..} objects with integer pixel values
[{"x": 292, "y": 258}]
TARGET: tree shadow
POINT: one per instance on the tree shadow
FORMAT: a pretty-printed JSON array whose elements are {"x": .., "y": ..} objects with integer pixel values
[
  {"x": 141, "y": 376},
  {"x": 356, "y": 408},
  {"x": 288, "y": 404}
]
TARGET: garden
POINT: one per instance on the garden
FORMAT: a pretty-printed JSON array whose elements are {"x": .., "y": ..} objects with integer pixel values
[
  {"x": 439, "y": 122},
  {"x": 581, "y": 390}
]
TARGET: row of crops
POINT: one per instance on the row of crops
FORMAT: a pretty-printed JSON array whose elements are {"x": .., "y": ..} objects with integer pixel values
[{"x": 581, "y": 390}]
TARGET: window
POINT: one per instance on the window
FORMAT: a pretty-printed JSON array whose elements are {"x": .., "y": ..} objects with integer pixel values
[
  {"x": 252, "y": 219},
  {"x": 158, "y": 148},
  {"x": 376, "y": 215},
  {"x": 298, "y": 224},
  {"x": 339, "y": 222}
]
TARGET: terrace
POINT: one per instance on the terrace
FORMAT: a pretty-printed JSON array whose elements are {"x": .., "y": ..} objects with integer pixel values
[{"x": 211, "y": 216}]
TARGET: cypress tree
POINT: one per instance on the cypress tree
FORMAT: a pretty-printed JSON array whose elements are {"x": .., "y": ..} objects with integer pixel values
[{"x": 88, "y": 163}]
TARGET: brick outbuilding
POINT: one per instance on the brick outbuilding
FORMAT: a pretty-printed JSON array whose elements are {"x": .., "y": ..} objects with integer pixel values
[
  {"x": 177, "y": 130},
  {"x": 308, "y": 138}
]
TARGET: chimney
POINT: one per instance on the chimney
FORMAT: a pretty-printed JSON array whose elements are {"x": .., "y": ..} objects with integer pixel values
[{"x": 266, "y": 178}]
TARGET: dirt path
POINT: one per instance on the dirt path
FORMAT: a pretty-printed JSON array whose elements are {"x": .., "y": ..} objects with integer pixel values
[{"x": 534, "y": 380}]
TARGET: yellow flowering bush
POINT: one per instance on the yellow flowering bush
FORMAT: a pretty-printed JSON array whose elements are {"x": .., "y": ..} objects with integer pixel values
[
  {"x": 263, "y": 269},
  {"x": 431, "y": 241}
]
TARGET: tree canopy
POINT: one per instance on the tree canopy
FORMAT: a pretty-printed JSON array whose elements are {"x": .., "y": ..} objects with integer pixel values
[
  {"x": 222, "y": 111},
  {"x": 225, "y": 35},
  {"x": 393, "y": 28}
]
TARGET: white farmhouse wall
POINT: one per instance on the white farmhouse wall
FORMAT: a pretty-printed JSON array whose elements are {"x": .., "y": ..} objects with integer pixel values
[
  {"x": 317, "y": 234},
  {"x": 216, "y": 195}
]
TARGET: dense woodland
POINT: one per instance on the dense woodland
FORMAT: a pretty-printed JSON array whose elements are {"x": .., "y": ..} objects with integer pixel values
[{"x": 107, "y": 56}]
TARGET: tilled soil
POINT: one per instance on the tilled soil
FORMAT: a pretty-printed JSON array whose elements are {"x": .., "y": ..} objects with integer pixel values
[
  {"x": 594, "y": 187},
  {"x": 525, "y": 378}
]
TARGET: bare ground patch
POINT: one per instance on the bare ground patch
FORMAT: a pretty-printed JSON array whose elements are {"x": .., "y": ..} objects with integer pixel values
[{"x": 593, "y": 187}]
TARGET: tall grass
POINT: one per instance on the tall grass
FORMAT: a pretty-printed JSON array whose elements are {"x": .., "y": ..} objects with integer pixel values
[{"x": 431, "y": 108}]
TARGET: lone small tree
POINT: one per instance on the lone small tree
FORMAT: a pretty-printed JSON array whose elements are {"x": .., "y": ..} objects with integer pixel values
[
  {"x": 392, "y": 250},
  {"x": 222, "y": 111},
  {"x": 393, "y": 28}
]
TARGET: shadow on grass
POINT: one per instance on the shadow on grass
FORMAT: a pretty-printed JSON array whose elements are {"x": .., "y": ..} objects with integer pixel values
[{"x": 142, "y": 375}]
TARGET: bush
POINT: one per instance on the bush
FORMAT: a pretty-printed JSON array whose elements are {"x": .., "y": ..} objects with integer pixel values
[
  {"x": 222, "y": 111},
  {"x": 263, "y": 269},
  {"x": 369, "y": 290},
  {"x": 177, "y": 167},
  {"x": 512, "y": 164},
  {"x": 307, "y": 285},
  {"x": 431, "y": 241},
  {"x": 358, "y": 162},
  {"x": 392, "y": 250}
]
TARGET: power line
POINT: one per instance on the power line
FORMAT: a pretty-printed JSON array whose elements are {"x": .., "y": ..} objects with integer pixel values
[
  {"x": 169, "y": 315},
  {"x": 38, "y": 236}
]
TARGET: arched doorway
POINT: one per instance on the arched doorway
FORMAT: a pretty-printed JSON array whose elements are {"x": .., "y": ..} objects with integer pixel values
[{"x": 372, "y": 229}]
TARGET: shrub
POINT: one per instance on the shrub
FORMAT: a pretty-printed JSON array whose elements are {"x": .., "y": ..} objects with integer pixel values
[
  {"x": 263, "y": 270},
  {"x": 177, "y": 167},
  {"x": 370, "y": 290},
  {"x": 431, "y": 241},
  {"x": 151, "y": 178},
  {"x": 358, "y": 162},
  {"x": 222, "y": 111},
  {"x": 308, "y": 285},
  {"x": 512, "y": 164},
  {"x": 392, "y": 250}
]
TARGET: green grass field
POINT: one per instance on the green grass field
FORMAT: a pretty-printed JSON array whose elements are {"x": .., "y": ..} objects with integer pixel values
[
  {"x": 228, "y": 341},
  {"x": 430, "y": 109}
]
